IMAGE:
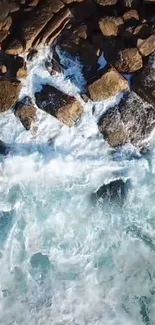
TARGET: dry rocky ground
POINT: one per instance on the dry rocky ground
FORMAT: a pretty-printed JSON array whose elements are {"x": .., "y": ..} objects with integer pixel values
[{"x": 123, "y": 30}]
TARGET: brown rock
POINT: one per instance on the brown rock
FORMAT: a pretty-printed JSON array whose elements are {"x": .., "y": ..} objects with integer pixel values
[
  {"x": 131, "y": 121},
  {"x": 7, "y": 7},
  {"x": 111, "y": 48},
  {"x": 6, "y": 23},
  {"x": 131, "y": 15},
  {"x": 3, "y": 68},
  {"x": 81, "y": 31},
  {"x": 110, "y": 25},
  {"x": 84, "y": 10},
  {"x": 14, "y": 47},
  {"x": 8, "y": 94},
  {"x": 144, "y": 82},
  {"x": 146, "y": 46},
  {"x": 26, "y": 112},
  {"x": 70, "y": 1},
  {"x": 33, "y": 3},
  {"x": 37, "y": 20},
  {"x": 67, "y": 109},
  {"x": 128, "y": 61},
  {"x": 56, "y": 25},
  {"x": 22, "y": 73},
  {"x": 106, "y": 2},
  {"x": 108, "y": 84}
]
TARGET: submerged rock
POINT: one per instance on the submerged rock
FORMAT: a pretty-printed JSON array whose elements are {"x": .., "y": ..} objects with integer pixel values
[
  {"x": 108, "y": 83},
  {"x": 131, "y": 121},
  {"x": 67, "y": 109},
  {"x": 114, "y": 191},
  {"x": 41, "y": 261}
]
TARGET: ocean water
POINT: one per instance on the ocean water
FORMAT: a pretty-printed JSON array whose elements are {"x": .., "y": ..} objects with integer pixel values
[{"x": 65, "y": 259}]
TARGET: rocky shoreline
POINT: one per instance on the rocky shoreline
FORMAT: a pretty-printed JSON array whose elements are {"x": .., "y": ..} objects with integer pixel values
[{"x": 123, "y": 31}]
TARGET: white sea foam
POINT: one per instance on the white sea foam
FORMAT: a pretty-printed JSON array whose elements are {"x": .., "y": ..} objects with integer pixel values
[{"x": 102, "y": 256}]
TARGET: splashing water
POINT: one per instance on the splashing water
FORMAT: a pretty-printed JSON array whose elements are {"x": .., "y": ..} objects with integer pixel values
[{"x": 63, "y": 259}]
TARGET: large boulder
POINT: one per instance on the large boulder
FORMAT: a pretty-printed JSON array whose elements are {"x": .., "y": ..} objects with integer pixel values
[
  {"x": 9, "y": 92},
  {"x": 128, "y": 61},
  {"x": 132, "y": 121},
  {"x": 107, "y": 83},
  {"x": 65, "y": 108},
  {"x": 144, "y": 82},
  {"x": 26, "y": 112}
]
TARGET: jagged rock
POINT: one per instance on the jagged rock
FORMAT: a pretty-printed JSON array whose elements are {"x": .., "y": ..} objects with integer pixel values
[
  {"x": 26, "y": 112},
  {"x": 22, "y": 73},
  {"x": 131, "y": 15},
  {"x": 106, "y": 2},
  {"x": 109, "y": 26},
  {"x": 4, "y": 149},
  {"x": 67, "y": 109},
  {"x": 115, "y": 191},
  {"x": 81, "y": 49},
  {"x": 14, "y": 47},
  {"x": 129, "y": 61},
  {"x": 107, "y": 84},
  {"x": 131, "y": 121},
  {"x": 146, "y": 46},
  {"x": 37, "y": 20},
  {"x": 9, "y": 92},
  {"x": 144, "y": 82}
]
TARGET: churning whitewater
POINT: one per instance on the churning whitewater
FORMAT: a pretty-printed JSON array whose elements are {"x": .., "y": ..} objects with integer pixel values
[{"x": 63, "y": 258}]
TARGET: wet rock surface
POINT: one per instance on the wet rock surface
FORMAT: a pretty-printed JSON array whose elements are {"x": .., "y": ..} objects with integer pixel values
[
  {"x": 9, "y": 92},
  {"x": 26, "y": 112},
  {"x": 67, "y": 109},
  {"x": 132, "y": 121}
]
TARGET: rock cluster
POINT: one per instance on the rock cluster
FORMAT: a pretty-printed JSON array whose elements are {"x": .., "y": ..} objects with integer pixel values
[{"x": 122, "y": 30}]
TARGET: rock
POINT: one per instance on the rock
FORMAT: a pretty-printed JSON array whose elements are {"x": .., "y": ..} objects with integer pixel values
[
  {"x": 71, "y": 1},
  {"x": 3, "y": 69},
  {"x": 81, "y": 49},
  {"x": 131, "y": 15},
  {"x": 109, "y": 26},
  {"x": 106, "y": 2},
  {"x": 32, "y": 54},
  {"x": 84, "y": 10},
  {"x": 115, "y": 191},
  {"x": 9, "y": 92},
  {"x": 146, "y": 46},
  {"x": 131, "y": 3},
  {"x": 6, "y": 23},
  {"x": 7, "y": 7},
  {"x": 111, "y": 47},
  {"x": 14, "y": 47},
  {"x": 107, "y": 84},
  {"x": 37, "y": 20},
  {"x": 26, "y": 112},
  {"x": 55, "y": 26},
  {"x": 129, "y": 61},
  {"x": 4, "y": 149},
  {"x": 142, "y": 31},
  {"x": 81, "y": 31},
  {"x": 131, "y": 121},
  {"x": 144, "y": 83},
  {"x": 3, "y": 35},
  {"x": 67, "y": 109},
  {"x": 22, "y": 73}
]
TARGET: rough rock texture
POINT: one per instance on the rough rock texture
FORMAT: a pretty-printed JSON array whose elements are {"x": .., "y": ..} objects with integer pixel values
[
  {"x": 131, "y": 121},
  {"x": 80, "y": 49},
  {"x": 9, "y": 92},
  {"x": 115, "y": 191},
  {"x": 129, "y": 61},
  {"x": 110, "y": 25},
  {"x": 146, "y": 46},
  {"x": 144, "y": 82},
  {"x": 106, "y": 2},
  {"x": 108, "y": 84},
  {"x": 131, "y": 15},
  {"x": 26, "y": 112},
  {"x": 67, "y": 109}
]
